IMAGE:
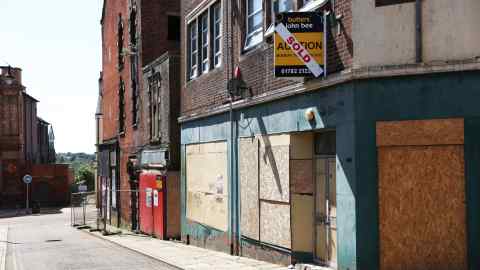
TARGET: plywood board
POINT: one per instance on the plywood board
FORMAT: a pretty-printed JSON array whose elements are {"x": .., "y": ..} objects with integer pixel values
[
  {"x": 302, "y": 223},
  {"x": 195, "y": 207},
  {"x": 173, "y": 204},
  {"x": 207, "y": 169},
  {"x": 275, "y": 173},
  {"x": 248, "y": 173},
  {"x": 422, "y": 212},
  {"x": 301, "y": 175},
  {"x": 274, "y": 140},
  {"x": 321, "y": 250},
  {"x": 332, "y": 245},
  {"x": 208, "y": 209},
  {"x": 421, "y": 132},
  {"x": 320, "y": 187},
  {"x": 332, "y": 190},
  {"x": 301, "y": 145},
  {"x": 275, "y": 224},
  {"x": 216, "y": 212},
  {"x": 207, "y": 184}
]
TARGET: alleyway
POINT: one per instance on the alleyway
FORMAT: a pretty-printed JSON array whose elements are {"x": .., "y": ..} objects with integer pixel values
[{"x": 47, "y": 242}]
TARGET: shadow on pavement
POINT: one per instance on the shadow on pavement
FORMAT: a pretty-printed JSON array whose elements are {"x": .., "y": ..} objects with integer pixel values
[{"x": 9, "y": 213}]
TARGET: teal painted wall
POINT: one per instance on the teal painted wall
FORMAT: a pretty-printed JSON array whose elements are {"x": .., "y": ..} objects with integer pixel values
[
  {"x": 333, "y": 107},
  {"x": 352, "y": 109},
  {"x": 209, "y": 129},
  {"x": 445, "y": 95},
  {"x": 472, "y": 168}
]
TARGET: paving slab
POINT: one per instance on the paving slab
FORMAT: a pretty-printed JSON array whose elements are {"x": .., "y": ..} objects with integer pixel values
[
  {"x": 185, "y": 257},
  {"x": 3, "y": 246}
]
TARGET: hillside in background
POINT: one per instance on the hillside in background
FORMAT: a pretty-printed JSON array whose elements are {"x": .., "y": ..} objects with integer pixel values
[
  {"x": 83, "y": 168},
  {"x": 75, "y": 159}
]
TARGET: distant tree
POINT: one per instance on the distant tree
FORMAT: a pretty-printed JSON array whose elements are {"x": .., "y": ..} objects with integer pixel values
[{"x": 84, "y": 175}]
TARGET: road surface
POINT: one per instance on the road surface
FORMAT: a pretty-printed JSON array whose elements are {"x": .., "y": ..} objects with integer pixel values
[{"x": 47, "y": 242}]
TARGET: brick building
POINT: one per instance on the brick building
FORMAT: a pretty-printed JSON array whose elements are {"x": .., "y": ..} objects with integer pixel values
[
  {"x": 349, "y": 171},
  {"x": 137, "y": 112},
  {"x": 25, "y": 139}
]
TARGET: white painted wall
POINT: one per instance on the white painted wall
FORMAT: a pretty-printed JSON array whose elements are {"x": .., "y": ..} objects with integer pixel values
[
  {"x": 386, "y": 35},
  {"x": 383, "y": 35},
  {"x": 451, "y": 29}
]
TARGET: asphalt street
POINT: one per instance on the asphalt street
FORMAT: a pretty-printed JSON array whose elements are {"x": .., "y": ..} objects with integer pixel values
[{"x": 48, "y": 242}]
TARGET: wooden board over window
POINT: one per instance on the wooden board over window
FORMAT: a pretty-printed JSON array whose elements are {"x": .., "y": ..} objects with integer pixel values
[
  {"x": 207, "y": 184},
  {"x": 420, "y": 132},
  {"x": 422, "y": 211}
]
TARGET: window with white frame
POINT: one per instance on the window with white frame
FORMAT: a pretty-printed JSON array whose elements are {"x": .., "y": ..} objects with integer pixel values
[
  {"x": 254, "y": 23},
  {"x": 280, "y": 6},
  {"x": 217, "y": 35},
  {"x": 192, "y": 52},
  {"x": 204, "y": 34},
  {"x": 203, "y": 29},
  {"x": 306, "y": 2}
]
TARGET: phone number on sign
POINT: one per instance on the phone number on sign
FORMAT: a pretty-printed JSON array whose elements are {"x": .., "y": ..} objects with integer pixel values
[{"x": 291, "y": 71}]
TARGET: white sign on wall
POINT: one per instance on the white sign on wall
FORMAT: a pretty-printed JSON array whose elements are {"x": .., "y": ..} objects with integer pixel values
[
  {"x": 148, "y": 197},
  {"x": 155, "y": 198}
]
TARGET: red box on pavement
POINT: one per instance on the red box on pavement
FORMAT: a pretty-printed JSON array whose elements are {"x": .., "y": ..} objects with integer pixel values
[{"x": 152, "y": 204}]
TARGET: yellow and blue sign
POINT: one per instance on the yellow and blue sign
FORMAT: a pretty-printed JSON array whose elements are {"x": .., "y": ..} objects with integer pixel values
[{"x": 300, "y": 44}]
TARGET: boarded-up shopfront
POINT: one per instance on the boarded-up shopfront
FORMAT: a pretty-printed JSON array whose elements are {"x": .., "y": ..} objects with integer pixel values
[
  {"x": 207, "y": 184},
  {"x": 288, "y": 191},
  {"x": 422, "y": 209}
]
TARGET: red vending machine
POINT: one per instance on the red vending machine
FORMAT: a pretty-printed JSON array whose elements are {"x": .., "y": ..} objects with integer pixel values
[{"x": 152, "y": 190}]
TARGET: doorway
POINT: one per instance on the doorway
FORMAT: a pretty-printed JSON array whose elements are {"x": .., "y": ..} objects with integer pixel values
[{"x": 325, "y": 221}]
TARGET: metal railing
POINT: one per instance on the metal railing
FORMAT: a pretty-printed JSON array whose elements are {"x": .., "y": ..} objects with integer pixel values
[
  {"x": 84, "y": 211},
  {"x": 100, "y": 211}
]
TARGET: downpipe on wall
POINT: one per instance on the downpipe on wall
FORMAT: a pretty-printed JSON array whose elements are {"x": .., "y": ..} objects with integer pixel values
[{"x": 418, "y": 32}]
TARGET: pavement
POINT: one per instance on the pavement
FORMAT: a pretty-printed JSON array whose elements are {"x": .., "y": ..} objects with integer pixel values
[
  {"x": 3, "y": 247},
  {"x": 183, "y": 256}
]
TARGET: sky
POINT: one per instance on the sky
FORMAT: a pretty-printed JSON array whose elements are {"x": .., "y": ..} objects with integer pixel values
[{"x": 57, "y": 44}]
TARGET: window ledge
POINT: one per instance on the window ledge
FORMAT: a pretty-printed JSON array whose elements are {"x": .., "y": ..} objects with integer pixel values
[
  {"x": 313, "y": 5},
  {"x": 253, "y": 46},
  {"x": 270, "y": 30}
]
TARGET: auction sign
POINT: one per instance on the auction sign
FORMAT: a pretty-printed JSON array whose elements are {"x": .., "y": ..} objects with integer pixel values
[{"x": 300, "y": 40}]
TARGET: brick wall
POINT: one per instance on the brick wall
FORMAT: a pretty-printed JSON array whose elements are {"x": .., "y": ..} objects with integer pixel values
[
  {"x": 209, "y": 90},
  {"x": 111, "y": 74},
  {"x": 152, "y": 33},
  {"x": 111, "y": 83},
  {"x": 340, "y": 48},
  {"x": 154, "y": 29},
  {"x": 57, "y": 177}
]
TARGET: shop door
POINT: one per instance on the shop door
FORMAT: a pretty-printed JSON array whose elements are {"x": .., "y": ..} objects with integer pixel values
[{"x": 325, "y": 211}]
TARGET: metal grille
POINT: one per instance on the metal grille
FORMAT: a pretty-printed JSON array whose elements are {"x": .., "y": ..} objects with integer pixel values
[
  {"x": 102, "y": 211},
  {"x": 84, "y": 210}
]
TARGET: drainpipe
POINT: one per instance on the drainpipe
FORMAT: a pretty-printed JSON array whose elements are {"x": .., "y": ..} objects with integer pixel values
[
  {"x": 418, "y": 31},
  {"x": 235, "y": 235}
]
